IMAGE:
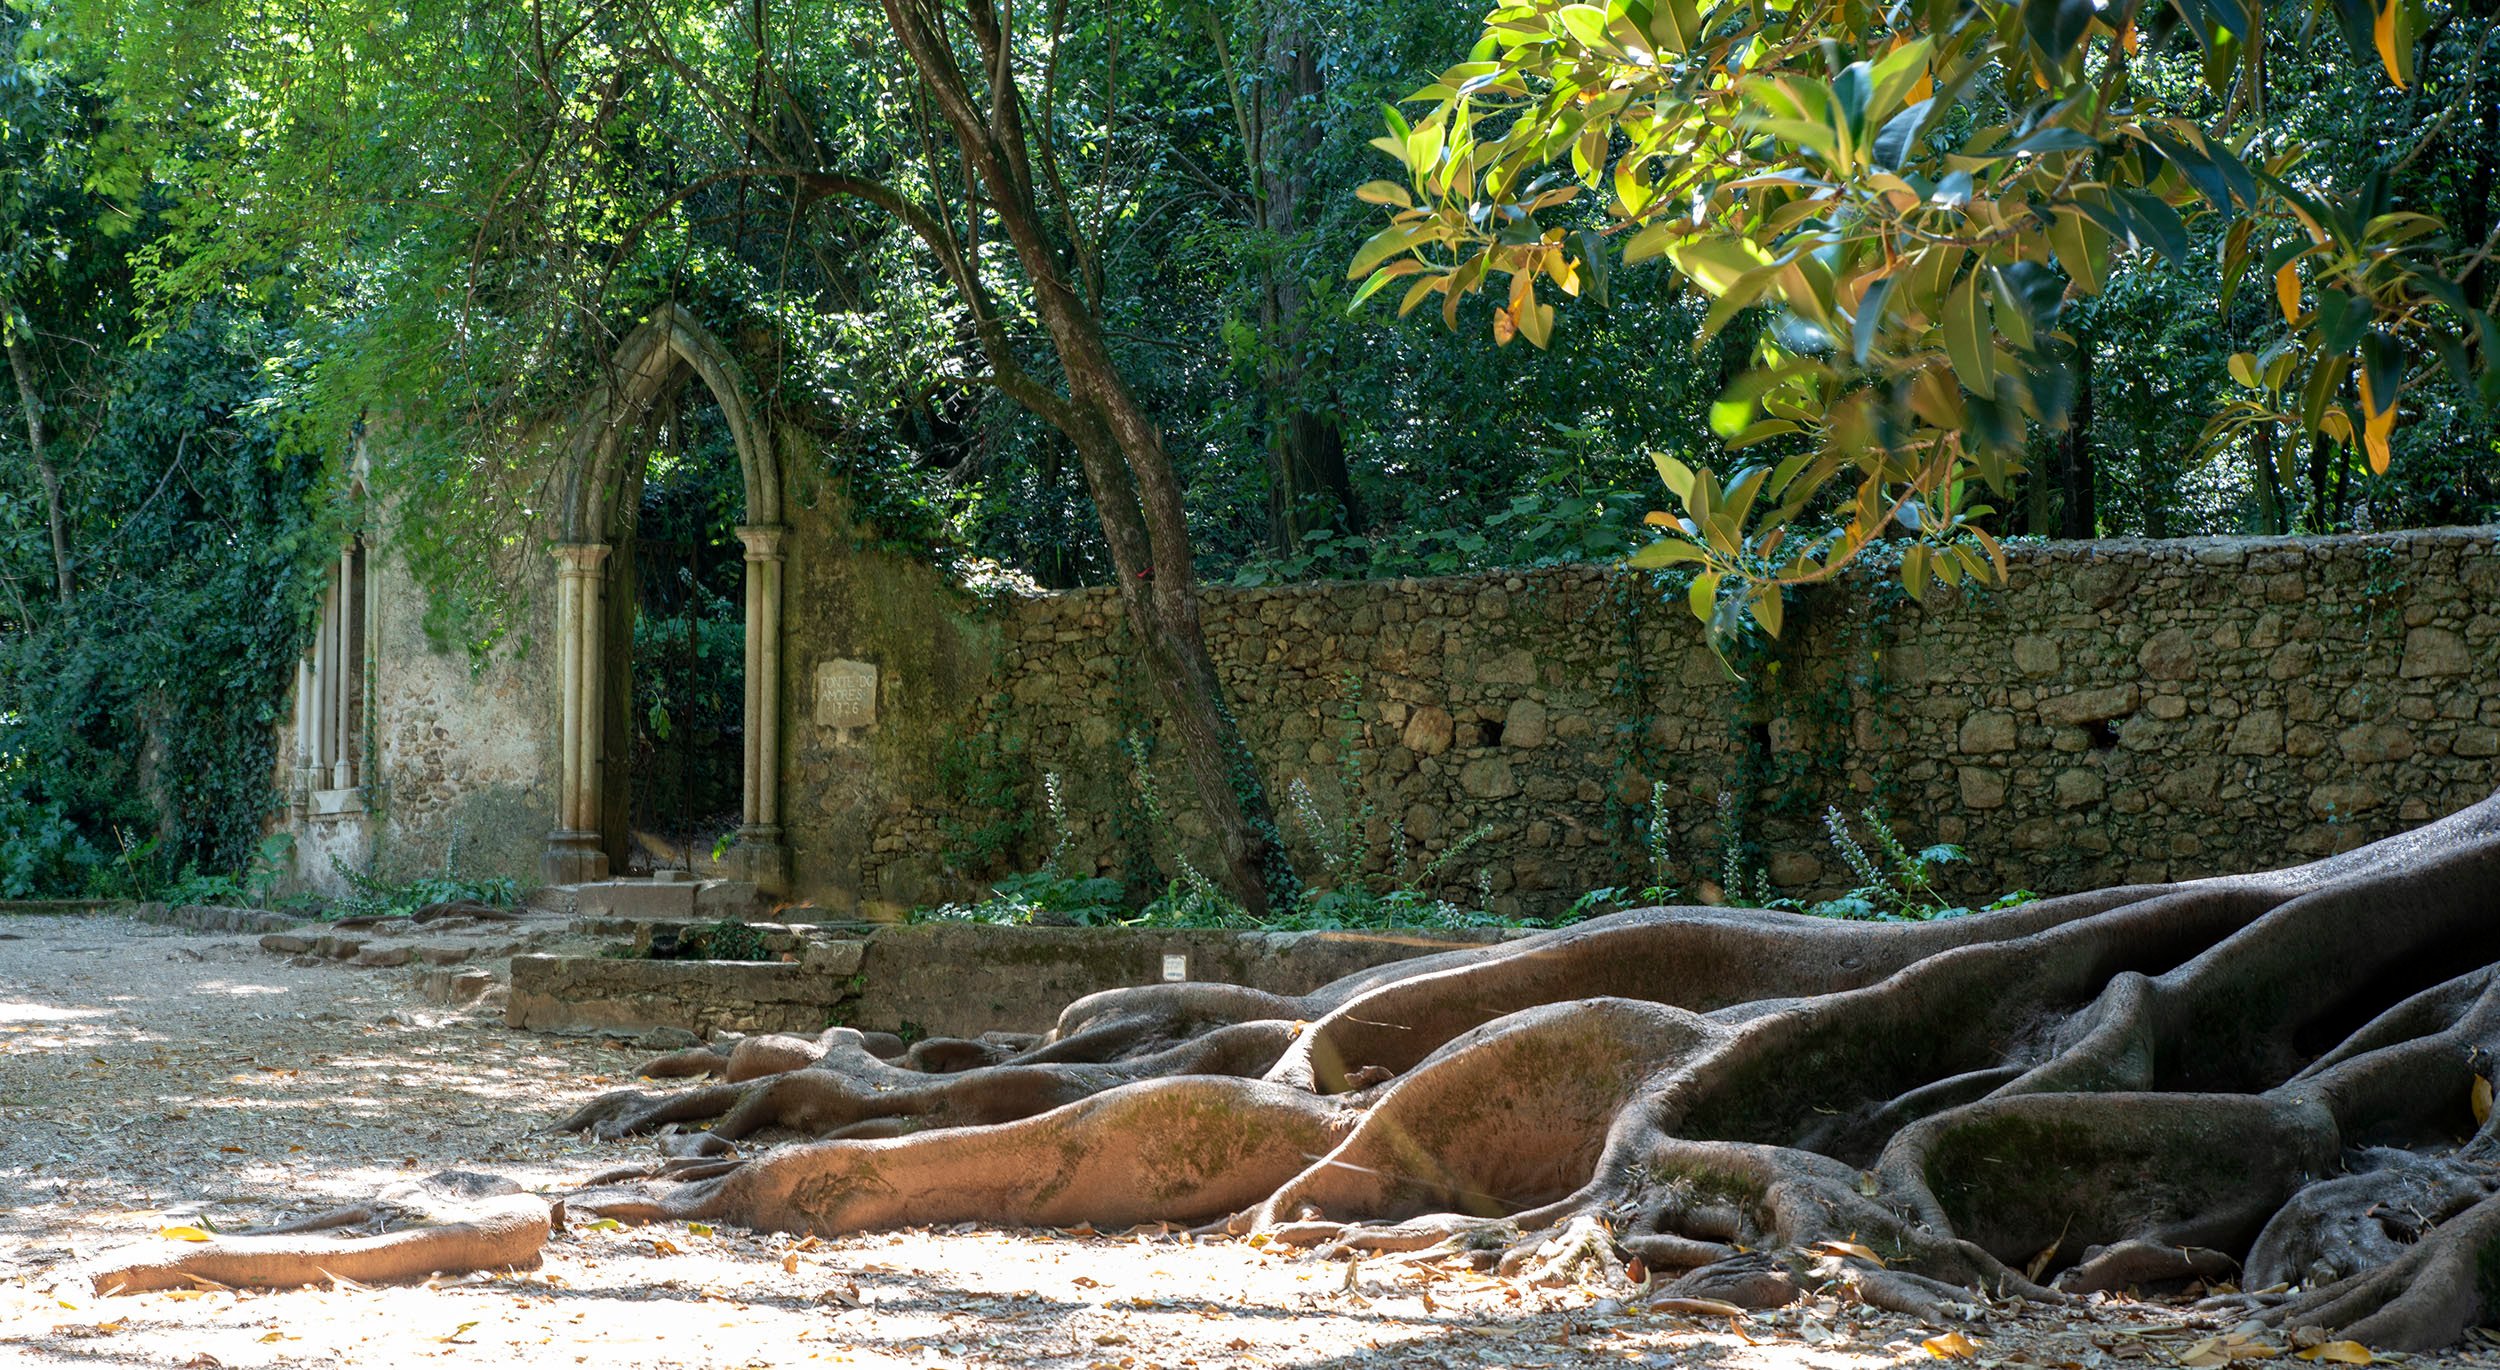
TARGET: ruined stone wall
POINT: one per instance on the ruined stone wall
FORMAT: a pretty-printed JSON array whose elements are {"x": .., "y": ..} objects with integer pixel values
[
  {"x": 457, "y": 757},
  {"x": 2121, "y": 711}
]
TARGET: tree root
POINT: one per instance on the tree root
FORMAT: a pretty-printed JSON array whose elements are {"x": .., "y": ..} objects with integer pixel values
[
  {"x": 2132, "y": 1087},
  {"x": 448, "y": 1223}
]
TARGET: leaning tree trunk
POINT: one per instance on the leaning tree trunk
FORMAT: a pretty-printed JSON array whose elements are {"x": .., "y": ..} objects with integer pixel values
[
  {"x": 21, "y": 369},
  {"x": 2284, "y": 1074},
  {"x": 1136, "y": 494}
]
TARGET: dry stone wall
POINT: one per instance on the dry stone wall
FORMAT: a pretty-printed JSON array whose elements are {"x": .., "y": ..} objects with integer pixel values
[{"x": 2120, "y": 711}]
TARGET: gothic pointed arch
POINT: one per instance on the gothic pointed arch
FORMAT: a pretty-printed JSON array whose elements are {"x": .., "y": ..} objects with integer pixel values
[{"x": 650, "y": 364}]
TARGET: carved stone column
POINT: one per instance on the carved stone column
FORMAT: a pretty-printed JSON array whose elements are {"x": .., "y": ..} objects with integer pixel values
[
  {"x": 762, "y": 855},
  {"x": 344, "y": 666},
  {"x": 300, "y": 783},
  {"x": 573, "y": 851}
]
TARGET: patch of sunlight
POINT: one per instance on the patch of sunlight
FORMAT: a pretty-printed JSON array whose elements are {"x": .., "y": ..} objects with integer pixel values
[
  {"x": 12, "y": 1011},
  {"x": 229, "y": 987}
]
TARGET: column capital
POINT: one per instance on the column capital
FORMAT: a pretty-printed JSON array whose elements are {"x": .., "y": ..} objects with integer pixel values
[
  {"x": 581, "y": 558},
  {"x": 763, "y": 540}
]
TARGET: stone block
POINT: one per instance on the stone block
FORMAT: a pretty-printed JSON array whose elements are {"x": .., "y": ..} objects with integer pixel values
[
  {"x": 2036, "y": 654},
  {"x": 2475, "y": 742},
  {"x": 636, "y": 899},
  {"x": 2169, "y": 655},
  {"x": 1488, "y": 777},
  {"x": 1987, "y": 732},
  {"x": 1429, "y": 731},
  {"x": 2435, "y": 652},
  {"x": 2370, "y": 744},
  {"x": 1983, "y": 787},
  {"x": 1793, "y": 869},
  {"x": 1525, "y": 725},
  {"x": 2258, "y": 733},
  {"x": 2076, "y": 788},
  {"x": 839, "y": 959},
  {"x": 2090, "y": 706}
]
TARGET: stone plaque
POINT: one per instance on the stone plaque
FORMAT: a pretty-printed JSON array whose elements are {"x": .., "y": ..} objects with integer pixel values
[{"x": 846, "y": 694}]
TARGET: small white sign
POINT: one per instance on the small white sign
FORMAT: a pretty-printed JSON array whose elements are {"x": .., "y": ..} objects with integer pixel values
[
  {"x": 846, "y": 694},
  {"x": 1175, "y": 966}
]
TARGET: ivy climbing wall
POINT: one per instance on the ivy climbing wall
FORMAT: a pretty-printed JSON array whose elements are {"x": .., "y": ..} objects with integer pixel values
[{"x": 2119, "y": 712}]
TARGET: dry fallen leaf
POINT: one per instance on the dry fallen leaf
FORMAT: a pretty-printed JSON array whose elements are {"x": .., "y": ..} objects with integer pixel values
[
  {"x": 183, "y": 1232},
  {"x": 2339, "y": 1352},
  {"x": 2480, "y": 1097},
  {"x": 1862, "y": 1252},
  {"x": 1951, "y": 1346}
]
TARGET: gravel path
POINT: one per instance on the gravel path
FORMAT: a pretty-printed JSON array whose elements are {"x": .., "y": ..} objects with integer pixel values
[{"x": 150, "y": 1077}]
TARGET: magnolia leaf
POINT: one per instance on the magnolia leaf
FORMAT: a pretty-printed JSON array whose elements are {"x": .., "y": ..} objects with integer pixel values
[
  {"x": 2287, "y": 291},
  {"x": 2479, "y": 1098},
  {"x": 1536, "y": 322},
  {"x": 1766, "y": 607},
  {"x": 1666, "y": 551},
  {"x": 2244, "y": 369},
  {"x": 1703, "y": 598},
  {"x": 1677, "y": 477},
  {"x": 1384, "y": 193},
  {"x": 1951, "y": 1346},
  {"x": 1381, "y": 246},
  {"x": 2340, "y": 1353},
  {"x": 2377, "y": 423},
  {"x": 1864, "y": 1253},
  {"x": 2395, "y": 43},
  {"x": 1966, "y": 340},
  {"x": 2375, "y": 433},
  {"x": 183, "y": 1232}
]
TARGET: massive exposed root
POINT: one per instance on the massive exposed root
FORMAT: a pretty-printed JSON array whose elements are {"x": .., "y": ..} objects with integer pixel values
[
  {"x": 446, "y": 1223},
  {"x": 2134, "y": 1087},
  {"x": 2126, "y": 1088}
]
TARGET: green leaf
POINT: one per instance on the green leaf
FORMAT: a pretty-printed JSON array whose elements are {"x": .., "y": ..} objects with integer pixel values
[
  {"x": 1966, "y": 338},
  {"x": 1381, "y": 246},
  {"x": 1677, "y": 477},
  {"x": 1665, "y": 551},
  {"x": 1384, "y": 193},
  {"x": 1766, "y": 606},
  {"x": 1703, "y": 597},
  {"x": 1587, "y": 24}
]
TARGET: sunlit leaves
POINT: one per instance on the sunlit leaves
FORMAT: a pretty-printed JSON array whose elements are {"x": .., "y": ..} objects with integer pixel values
[{"x": 1913, "y": 195}]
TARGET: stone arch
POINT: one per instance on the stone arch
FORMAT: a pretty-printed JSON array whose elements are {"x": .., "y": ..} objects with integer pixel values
[{"x": 651, "y": 363}]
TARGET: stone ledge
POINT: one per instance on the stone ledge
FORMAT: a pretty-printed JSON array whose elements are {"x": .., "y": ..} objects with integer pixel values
[
  {"x": 595, "y": 993},
  {"x": 937, "y": 979},
  {"x": 213, "y": 917}
]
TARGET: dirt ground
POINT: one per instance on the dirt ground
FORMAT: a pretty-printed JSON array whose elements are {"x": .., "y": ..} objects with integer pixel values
[{"x": 151, "y": 1077}]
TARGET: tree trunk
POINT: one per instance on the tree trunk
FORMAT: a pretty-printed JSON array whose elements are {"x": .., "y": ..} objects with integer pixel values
[
  {"x": 22, "y": 368},
  {"x": 2080, "y": 518},
  {"x": 1136, "y": 494},
  {"x": 2271, "y": 516},
  {"x": 1308, "y": 485}
]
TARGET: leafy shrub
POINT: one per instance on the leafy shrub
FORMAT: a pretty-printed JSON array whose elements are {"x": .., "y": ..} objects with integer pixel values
[{"x": 42, "y": 853}]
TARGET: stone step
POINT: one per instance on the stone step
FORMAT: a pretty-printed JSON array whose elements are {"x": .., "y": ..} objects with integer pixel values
[{"x": 687, "y": 899}]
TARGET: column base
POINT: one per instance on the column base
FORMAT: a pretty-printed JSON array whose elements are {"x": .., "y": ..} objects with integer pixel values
[
  {"x": 572, "y": 858},
  {"x": 761, "y": 858}
]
